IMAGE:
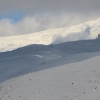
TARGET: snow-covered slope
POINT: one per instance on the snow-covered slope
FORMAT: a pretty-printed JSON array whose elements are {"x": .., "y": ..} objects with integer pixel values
[
  {"x": 87, "y": 30},
  {"x": 66, "y": 71},
  {"x": 39, "y": 57},
  {"x": 76, "y": 81}
]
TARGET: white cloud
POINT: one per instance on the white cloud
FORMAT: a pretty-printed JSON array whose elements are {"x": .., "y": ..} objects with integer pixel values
[{"x": 30, "y": 24}]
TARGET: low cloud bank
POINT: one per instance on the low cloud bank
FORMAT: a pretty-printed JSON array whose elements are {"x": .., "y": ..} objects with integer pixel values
[
  {"x": 85, "y": 34},
  {"x": 31, "y": 24}
]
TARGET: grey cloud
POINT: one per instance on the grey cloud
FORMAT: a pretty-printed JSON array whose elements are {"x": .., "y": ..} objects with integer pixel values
[{"x": 56, "y": 6}]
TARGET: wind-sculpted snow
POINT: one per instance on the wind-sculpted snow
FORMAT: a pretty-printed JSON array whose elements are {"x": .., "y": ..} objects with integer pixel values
[
  {"x": 76, "y": 81},
  {"x": 87, "y": 30}
]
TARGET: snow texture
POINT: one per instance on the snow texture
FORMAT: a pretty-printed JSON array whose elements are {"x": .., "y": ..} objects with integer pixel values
[{"x": 75, "y": 81}]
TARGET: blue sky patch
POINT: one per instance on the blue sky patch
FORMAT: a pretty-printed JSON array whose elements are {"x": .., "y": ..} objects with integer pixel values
[{"x": 15, "y": 16}]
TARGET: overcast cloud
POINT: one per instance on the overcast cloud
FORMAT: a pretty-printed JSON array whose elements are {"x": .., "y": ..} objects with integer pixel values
[
  {"x": 45, "y": 14},
  {"x": 39, "y": 6}
]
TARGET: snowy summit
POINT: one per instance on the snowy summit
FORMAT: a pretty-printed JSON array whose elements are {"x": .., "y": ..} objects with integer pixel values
[{"x": 87, "y": 30}]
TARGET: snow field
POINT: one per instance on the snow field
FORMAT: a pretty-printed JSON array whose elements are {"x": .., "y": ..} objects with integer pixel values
[{"x": 75, "y": 81}]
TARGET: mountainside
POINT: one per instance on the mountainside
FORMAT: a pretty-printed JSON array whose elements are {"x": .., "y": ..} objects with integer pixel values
[
  {"x": 76, "y": 81},
  {"x": 39, "y": 57},
  {"x": 65, "y": 71},
  {"x": 87, "y": 30}
]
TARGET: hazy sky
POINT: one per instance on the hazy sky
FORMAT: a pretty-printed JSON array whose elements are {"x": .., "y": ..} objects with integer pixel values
[
  {"x": 27, "y": 16},
  {"x": 41, "y": 6}
]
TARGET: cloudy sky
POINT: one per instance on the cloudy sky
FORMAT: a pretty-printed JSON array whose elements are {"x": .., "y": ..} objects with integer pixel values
[{"x": 28, "y": 16}]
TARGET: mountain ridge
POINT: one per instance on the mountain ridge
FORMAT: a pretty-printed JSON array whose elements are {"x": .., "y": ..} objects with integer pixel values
[
  {"x": 39, "y": 57},
  {"x": 84, "y": 31}
]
